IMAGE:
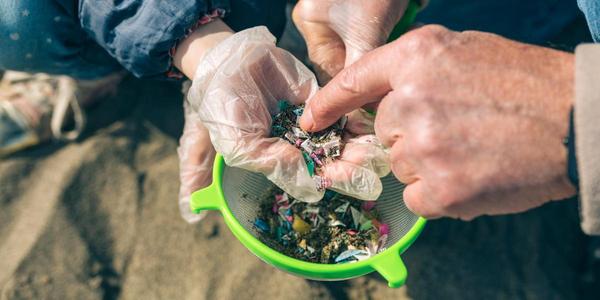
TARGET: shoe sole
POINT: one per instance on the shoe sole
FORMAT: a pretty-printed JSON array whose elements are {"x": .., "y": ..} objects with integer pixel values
[{"x": 28, "y": 142}]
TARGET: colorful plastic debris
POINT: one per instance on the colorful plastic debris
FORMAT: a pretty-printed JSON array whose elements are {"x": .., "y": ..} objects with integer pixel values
[
  {"x": 337, "y": 223},
  {"x": 384, "y": 229},
  {"x": 318, "y": 148},
  {"x": 300, "y": 226},
  {"x": 368, "y": 205},
  {"x": 366, "y": 225},
  {"x": 336, "y": 229},
  {"x": 356, "y": 216},
  {"x": 352, "y": 255},
  {"x": 309, "y": 164},
  {"x": 262, "y": 225},
  {"x": 322, "y": 183},
  {"x": 342, "y": 208}
]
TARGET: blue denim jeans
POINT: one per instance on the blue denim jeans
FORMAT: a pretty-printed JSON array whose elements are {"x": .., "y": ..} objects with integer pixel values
[
  {"x": 89, "y": 38},
  {"x": 45, "y": 36},
  {"x": 591, "y": 9}
]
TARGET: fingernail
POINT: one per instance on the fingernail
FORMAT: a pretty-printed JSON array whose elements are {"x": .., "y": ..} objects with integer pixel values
[{"x": 307, "y": 122}]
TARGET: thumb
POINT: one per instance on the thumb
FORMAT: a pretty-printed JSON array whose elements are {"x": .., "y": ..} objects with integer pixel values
[
  {"x": 364, "y": 82},
  {"x": 326, "y": 51}
]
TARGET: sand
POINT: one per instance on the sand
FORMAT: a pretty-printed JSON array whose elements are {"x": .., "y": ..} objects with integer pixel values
[{"x": 98, "y": 219}]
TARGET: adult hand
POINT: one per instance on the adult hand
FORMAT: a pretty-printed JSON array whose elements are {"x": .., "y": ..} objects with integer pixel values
[
  {"x": 236, "y": 90},
  {"x": 475, "y": 122},
  {"x": 338, "y": 32}
]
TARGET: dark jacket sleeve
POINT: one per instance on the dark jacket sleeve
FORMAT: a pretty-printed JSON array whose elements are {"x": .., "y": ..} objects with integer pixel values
[{"x": 141, "y": 33}]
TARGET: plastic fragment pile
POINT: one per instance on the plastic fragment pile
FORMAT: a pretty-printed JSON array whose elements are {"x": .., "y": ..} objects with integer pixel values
[
  {"x": 318, "y": 148},
  {"x": 337, "y": 229}
]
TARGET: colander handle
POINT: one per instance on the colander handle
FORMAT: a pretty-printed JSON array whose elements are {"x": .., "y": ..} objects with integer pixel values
[
  {"x": 392, "y": 268},
  {"x": 208, "y": 198}
]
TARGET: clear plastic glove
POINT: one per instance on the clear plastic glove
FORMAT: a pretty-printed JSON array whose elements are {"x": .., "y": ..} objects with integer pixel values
[
  {"x": 236, "y": 90},
  {"x": 339, "y": 32},
  {"x": 196, "y": 157},
  {"x": 363, "y": 161}
]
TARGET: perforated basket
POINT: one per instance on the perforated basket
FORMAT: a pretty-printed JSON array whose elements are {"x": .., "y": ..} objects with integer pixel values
[{"x": 226, "y": 194}]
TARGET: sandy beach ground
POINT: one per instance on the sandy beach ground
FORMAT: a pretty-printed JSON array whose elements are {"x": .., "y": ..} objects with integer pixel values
[{"x": 98, "y": 219}]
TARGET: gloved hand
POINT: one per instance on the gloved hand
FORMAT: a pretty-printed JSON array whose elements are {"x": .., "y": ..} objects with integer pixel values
[
  {"x": 196, "y": 157},
  {"x": 363, "y": 161},
  {"x": 235, "y": 92},
  {"x": 339, "y": 32}
]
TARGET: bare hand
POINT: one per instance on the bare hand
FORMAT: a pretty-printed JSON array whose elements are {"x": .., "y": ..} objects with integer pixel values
[{"x": 475, "y": 122}]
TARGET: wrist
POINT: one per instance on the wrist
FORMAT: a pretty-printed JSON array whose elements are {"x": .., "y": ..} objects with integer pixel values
[
  {"x": 563, "y": 108},
  {"x": 192, "y": 49}
]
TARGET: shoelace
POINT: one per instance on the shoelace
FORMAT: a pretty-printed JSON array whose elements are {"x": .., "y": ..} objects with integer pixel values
[{"x": 66, "y": 97}]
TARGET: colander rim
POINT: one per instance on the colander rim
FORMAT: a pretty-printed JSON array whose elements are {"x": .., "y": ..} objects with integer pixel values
[{"x": 293, "y": 265}]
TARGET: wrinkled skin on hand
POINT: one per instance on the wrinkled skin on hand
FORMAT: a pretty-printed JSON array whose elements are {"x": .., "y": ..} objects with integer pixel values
[
  {"x": 235, "y": 93},
  {"x": 339, "y": 32},
  {"x": 475, "y": 122}
]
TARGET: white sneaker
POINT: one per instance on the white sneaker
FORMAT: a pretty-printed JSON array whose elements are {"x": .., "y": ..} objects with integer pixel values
[{"x": 35, "y": 108}]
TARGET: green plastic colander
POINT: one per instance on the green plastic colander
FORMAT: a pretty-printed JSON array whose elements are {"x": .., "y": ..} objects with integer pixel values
[
  {"x": 225, "y": 195},
  {"x": 229, "y": 184}
]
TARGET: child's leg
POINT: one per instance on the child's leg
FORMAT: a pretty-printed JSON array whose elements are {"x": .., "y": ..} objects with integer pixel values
[{"x": 45, "y": 36}]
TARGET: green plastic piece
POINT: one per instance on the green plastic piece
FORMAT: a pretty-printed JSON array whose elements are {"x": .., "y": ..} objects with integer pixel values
[
  {"x": 366, "y": 225},
  {"x": 388, "y": 263},
  {"x": 310, "y": 164},
  {"x": 283, "y": 104},
  {"x": 277, "y": 130}
]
